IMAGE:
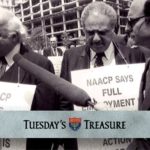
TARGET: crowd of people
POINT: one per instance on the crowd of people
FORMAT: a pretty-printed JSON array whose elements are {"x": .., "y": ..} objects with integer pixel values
[{"x": 101, "y": 46}]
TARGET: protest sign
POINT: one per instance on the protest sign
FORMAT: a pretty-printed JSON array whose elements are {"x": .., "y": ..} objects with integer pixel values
[
  {"x": 56, "y": 61},
  {"x": 111, "y": 87},
  {"x": 14, "y": 96},
  {"x": 12, "y": 144},
  {"x": 104, "y": 144}
]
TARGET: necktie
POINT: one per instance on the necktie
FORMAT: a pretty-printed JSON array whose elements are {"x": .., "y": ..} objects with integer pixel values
[
  {"x": 98, "y": 59},
  {"x": 3, "y": 65},
  {"x": 55, "y": 52}
]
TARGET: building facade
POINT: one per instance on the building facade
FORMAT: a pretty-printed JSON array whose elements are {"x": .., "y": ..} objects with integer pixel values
[
  {"x": 9, "y": 4},
  {"x": 58, "y": 16}
]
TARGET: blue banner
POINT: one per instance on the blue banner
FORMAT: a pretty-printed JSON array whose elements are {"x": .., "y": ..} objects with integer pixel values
[{"x": 74, "y": 124}]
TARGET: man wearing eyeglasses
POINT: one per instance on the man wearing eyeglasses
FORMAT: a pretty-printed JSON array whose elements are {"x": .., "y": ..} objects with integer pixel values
[{"x": 139, "y": 28}]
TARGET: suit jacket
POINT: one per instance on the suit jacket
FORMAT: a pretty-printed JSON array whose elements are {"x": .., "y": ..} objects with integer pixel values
[
  {"x": 48, "y": 52},
  {"x": 145, "y": 51},
  {"x": 144, "y": 104},
  {"x": 78, "y": 58},
  {"x": 44, "y": 99},
  {"x": 122, "y": 40}
]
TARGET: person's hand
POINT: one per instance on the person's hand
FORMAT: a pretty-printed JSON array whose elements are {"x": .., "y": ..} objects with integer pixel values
[{"x": 101, "y": 106}]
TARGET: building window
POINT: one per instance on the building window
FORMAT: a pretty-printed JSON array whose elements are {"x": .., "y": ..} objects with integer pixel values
[
  {"x": 34, "y": 2},
  {"x": 124, "y": 4},
  {"x": 28, "y": 26},
  {"x": 48, "y": 29},
  {"x": 25, "y": 5},
  {"x": 72, "y": 25},
  {"x": 17, "y": 8},
  {"x": 84, "y": 2},
  {"x": 36, "y": 16},
  {"x": 47, "y": 21},
  {"x": 67, "y": 1},
  {"x": 27, "y": 18},
  {"x": 70, "y": 16},
  {"x": 26, "y": 12},
  {"x": 36, "y": 9},
  {"x": 57, "y": 19},
  {"x": 58, "y": 28},
  {"x": 45, "y": 6},
  {"x": 112, "y": 1},
  {"x": 123, "y": 13},
  {"x": 55, "y": 3},
  {"x": 37, "y": 24},
  {"x": 122, "y": 30},
  {"x": 123, "y": 21}
]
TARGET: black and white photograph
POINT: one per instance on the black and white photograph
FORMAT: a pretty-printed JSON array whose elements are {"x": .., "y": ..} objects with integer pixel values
[{"x": 74, "y": 56}]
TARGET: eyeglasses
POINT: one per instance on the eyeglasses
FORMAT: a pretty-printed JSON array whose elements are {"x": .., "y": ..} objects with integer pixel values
[{"x": 133, "y": 21}]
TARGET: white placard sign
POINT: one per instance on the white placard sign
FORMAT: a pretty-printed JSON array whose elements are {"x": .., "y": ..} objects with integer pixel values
[
  {"x": 15, "y": 97},
  {"x": 111, "y": 87},
  {"x": 12, "y": 144},
  {"x": 103, "y": 144},
  {"x": 56, "y": 61}
]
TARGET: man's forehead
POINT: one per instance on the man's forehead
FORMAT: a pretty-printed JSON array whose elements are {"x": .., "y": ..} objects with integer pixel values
[
  {"x": 95, "y": 13},
  {"x": 136, "y": 9},
  {"x": 53, "y": 39}
]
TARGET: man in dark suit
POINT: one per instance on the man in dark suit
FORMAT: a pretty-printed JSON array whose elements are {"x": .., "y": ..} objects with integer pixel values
[
  {"x": 102, "y": 45},
  {"x": 53, "y": 50},
  {"x": 98, "y": 20},
  {"x": 12, "y": 33},
  {"x": 139, "y": 26}
]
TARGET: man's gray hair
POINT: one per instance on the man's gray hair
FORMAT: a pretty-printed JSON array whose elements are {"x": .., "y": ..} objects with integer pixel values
[
  {"x": 101, "y": 8},
  {"x": 10, "y": 22}
]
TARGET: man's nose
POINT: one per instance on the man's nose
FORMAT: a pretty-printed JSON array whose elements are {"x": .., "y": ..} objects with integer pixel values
[{"x": 96, "y": 37}]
